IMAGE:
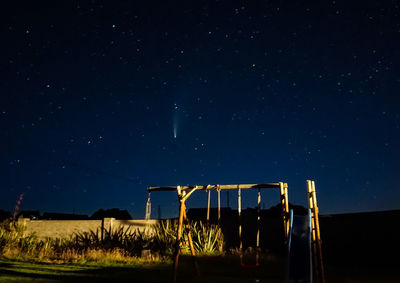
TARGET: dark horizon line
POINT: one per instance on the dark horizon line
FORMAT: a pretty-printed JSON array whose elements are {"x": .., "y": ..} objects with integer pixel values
[{"x": 233, "y": 209}]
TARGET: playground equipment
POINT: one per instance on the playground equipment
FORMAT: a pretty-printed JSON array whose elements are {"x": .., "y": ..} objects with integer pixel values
[
  {"x": 299, "y": 259},
  {"x": 304, "y": 259},
  {"x": 318, "y": 265},
  {"x": 184, "y": 192}
]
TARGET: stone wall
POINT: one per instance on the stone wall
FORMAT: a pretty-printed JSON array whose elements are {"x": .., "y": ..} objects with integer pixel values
[{"x": 65, "y": 228}]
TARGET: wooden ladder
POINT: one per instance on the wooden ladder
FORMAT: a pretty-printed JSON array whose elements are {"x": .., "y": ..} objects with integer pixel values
[{"x": 318, "y": 265}]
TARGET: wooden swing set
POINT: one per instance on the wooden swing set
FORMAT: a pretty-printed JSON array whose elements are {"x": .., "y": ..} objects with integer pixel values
[{"x": 184, "y": 192}]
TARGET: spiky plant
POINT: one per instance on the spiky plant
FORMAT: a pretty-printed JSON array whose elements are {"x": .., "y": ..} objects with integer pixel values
[
  {"x": 85, "y": 240},
  {"x": 207, "y": 238},
  {"x": 165, "y": 235}
]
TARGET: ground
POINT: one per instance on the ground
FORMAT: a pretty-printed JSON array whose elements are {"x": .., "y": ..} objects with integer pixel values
[
  {"x": 17, "y": 271},
  {"x": 214, "y": 269}
]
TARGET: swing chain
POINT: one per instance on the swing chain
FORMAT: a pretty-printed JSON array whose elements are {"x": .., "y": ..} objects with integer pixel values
[{"x": 148, "y": 208}]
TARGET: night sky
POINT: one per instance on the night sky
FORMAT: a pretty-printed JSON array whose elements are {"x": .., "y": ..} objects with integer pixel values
[{"x": 100, "y": 99}]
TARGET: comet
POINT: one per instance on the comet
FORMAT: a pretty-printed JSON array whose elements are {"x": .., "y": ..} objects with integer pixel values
[
  {"x": 175, "y": 121},
  {"x": 175, "y": 130}
]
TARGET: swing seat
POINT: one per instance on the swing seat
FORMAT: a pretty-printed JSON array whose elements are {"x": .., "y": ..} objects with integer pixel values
[
  {"x": 255, "y": 254},
  {"x": 247, "y": 265}
]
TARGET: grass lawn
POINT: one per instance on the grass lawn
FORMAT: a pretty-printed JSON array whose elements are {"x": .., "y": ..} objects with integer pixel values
[
  {"x": 19, "y": 271},
  {"x": 213, "y": 269}
]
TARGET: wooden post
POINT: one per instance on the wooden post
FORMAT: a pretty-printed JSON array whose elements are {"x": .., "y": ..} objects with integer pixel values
[
  {"x": 240, "y": 225},
  {"x": 192, "y": 251},
  {"x": 285, "y": 185},
  {"x": 183, "y": 196},
  {"x": 258, "y": 225},
  {"x": 219, "y": 203},
  {"x": 316, "y": 235},
  {"x": 179, "y": 234},
  {"x": 285, "y": 208},
  {"x": 313, "y": 234},
  {"x": 208, "y": 206}
]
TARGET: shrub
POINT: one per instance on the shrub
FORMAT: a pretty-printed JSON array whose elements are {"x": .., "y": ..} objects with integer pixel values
[
  {"x": 164, "y": 238},
  {"x": 207, "y": 238},
  {"x": 119, "y": 244},
  {"x": 131, "y": 241}
]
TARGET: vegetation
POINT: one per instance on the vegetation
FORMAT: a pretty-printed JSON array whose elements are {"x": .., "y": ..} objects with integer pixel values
[
  {"x": 109, "y": 245},
  {"x": 207, "y": 238}
]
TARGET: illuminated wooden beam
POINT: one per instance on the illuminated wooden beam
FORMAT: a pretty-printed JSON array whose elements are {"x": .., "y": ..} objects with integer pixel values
[
  {"x": 285, "y": 207},
  {"x": 215, "y": 187},
  {"x": 316, "y": 235}
]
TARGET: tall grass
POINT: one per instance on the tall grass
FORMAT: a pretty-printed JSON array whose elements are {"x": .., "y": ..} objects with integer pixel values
[
  {"x": 132, "y": 242},
  {"x": 109, "y": 245},
  {"x": 207, "y": 238}
]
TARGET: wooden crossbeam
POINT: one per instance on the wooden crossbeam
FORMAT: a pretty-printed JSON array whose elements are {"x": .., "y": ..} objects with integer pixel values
[{"x": 215, "y": 187}]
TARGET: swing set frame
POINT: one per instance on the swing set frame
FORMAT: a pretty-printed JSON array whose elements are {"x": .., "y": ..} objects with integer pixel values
[{"x": 184, "y": 192}]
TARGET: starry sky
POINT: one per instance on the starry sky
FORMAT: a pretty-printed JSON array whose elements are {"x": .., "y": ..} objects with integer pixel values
[{"x": 100, "y": 99}]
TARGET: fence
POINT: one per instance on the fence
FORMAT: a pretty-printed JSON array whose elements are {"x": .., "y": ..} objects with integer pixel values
[{"x": 65, "y": 228}]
